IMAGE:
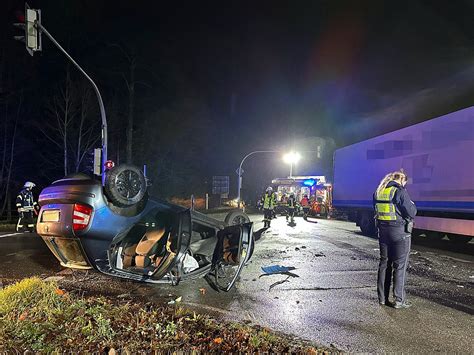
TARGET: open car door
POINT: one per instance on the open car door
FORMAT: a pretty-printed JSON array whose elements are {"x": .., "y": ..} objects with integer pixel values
[{"x": 233, "y": 250}]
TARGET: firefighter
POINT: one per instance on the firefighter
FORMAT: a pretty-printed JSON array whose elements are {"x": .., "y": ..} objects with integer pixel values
[
  {"x": 291, "y": 205},
  {"x": 27, "y": 208},
  {"x": 394, "y": 213},
  {"x": 269, "y": 201},
  {"x": 305, "y": 205}
]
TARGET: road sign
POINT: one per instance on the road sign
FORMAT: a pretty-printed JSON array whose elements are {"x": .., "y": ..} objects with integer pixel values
[{"x": 220, "y": 185}]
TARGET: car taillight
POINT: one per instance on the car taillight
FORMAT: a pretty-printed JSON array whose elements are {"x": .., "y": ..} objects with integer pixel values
[{"x": 81, "y": 216}]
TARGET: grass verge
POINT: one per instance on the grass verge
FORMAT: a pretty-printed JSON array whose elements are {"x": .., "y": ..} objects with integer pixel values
[
  {"x": 37, "y": 315},
  {"x": 7, "y": 227}
]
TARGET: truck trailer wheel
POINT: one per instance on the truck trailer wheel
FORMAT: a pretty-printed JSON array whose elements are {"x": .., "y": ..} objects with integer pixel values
[
  {"x": 234, "y": 218},
  {"x": 125, "y": 185},
  {"x": 367, "y": 224},
  {"x": 459, "y": 239},
  {"x": 435, "y": 235}
]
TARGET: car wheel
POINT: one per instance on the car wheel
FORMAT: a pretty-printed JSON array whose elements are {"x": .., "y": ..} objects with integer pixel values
[
  {"x": 234, "y": 218},
  {"x": 125, "y": 185}
]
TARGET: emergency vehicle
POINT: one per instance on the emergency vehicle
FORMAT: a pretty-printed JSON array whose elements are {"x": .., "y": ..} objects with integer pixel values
[{"x": 318, "y": 190}]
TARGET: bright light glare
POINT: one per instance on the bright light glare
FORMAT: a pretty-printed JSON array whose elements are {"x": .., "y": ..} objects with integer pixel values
[{"x": 292, "y": 157}]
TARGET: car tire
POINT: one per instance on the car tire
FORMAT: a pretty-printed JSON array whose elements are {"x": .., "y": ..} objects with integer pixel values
[
  {"x": 125, "y": 185},
  {"x": 130, "y": 211},
  {"x": 234, "y": 218}
]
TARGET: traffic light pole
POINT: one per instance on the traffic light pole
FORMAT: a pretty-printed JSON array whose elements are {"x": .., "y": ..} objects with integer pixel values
[{"x": 99, "y": 98}]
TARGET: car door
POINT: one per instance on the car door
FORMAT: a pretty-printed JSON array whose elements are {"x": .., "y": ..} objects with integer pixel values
[{"x": 234, "y": 248}]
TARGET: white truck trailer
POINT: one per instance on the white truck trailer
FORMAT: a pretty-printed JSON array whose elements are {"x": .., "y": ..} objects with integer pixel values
[{"x": 438, "y": 157}]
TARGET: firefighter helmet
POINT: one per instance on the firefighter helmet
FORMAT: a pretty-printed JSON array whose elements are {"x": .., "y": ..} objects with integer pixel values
[
  {"x": 29, "y": 185},
  {"x": 269, "y": 189}
]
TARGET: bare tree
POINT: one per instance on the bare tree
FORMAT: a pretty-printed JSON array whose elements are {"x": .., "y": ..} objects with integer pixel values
[
  {"x": 71, "y": 127},
  {"x": 87, "y": 131},
  {"x": 131, "y": 82},
  {"x": 61, "y": 110}
]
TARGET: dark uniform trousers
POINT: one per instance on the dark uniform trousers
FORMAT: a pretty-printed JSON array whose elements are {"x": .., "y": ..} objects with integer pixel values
[
  {"x": 395, "y": 246},
  {"x": 267, "y": 215}
]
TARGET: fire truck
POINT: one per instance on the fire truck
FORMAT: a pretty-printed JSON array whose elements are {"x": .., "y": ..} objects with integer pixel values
[{"x": 316, "y": 188}]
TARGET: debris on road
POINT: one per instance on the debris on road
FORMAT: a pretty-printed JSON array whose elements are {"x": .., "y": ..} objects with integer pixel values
[
  {"x": 54, "y": 278},
  {"x": 177, "y": 300},
  {"x": 278, "y": 283},
  {"x": 277, "y": 269}
]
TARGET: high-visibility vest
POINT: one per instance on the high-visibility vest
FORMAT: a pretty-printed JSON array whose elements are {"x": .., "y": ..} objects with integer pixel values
[
  {"x": 384, "y": 207},
  {"x": 269, "y": 201}
]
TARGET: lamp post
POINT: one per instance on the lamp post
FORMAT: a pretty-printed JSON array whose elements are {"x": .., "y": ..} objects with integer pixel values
[
  {"x": 239, "y": 171},
  {"x": 290, "y": 158}
]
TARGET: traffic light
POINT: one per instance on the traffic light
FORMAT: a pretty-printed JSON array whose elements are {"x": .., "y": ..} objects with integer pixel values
[{"x": 30, "y": 23}]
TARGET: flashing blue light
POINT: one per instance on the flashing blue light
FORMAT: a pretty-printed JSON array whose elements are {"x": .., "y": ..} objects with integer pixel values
[{"x": 309, "y": 182}]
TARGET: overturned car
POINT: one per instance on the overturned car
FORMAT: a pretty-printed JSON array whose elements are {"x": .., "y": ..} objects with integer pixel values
[{"x": 120, "y": 231}]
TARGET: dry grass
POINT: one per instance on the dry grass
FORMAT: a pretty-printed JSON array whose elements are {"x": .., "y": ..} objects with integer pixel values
[{"x": 37, "y": 315}]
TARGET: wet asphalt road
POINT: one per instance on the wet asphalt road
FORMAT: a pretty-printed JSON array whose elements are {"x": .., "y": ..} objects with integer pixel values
[{"x": 332, "y": 301}]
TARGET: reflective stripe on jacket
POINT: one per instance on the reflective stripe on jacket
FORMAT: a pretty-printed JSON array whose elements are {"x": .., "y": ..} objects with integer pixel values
[
  {"x": 269, "y": 201},
  {"x": 384, "y": 206},
  {"x": 25, "y": 199}
]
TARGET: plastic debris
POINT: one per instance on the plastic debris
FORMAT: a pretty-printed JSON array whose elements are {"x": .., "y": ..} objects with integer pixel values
[
  {"x": 277, "y": 269},
  {"x": 177, "y": 300},
  {"x": 189, "y": 264},
  {"x": 278, "y": 283}
]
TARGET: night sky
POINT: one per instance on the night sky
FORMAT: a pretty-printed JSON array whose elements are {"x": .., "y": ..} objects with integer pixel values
[{"x": 261, "y": 74}]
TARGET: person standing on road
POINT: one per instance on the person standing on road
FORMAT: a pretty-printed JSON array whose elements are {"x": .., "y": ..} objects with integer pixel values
[
  {"x": 291, "y": 205},
  {"x": 27, "y": 208},
  {"x": 394, "y": 213},
  {"x": 268, "y": 206},
  {"x": 305, "y": 205}
]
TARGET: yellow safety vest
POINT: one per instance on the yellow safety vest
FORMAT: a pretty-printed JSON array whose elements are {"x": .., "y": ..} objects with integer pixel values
[
  {"x": 269, "y": 201},
  {"x": 384, "y": 208}
]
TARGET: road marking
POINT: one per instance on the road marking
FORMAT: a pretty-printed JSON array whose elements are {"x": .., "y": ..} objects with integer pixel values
[{"x": 9, "y": 235}]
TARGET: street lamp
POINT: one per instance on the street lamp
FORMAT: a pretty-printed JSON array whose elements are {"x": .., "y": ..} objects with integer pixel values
[
  {"x": 240, "y": 171},
  {"x": 291, "y": 158}
]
